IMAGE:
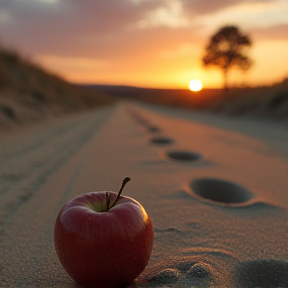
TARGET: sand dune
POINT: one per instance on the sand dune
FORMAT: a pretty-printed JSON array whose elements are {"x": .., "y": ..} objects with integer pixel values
[{"x": 216, "y": 192}]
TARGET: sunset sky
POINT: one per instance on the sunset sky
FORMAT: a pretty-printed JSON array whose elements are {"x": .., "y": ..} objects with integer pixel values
[{"x": 147, "y": 43}]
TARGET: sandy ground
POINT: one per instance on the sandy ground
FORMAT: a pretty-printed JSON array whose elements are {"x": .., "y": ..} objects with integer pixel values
[{"x": 219, "y": 212}]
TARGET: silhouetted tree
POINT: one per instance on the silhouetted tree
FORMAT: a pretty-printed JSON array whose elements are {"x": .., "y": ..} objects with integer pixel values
[{"x": 227, "y": 49}]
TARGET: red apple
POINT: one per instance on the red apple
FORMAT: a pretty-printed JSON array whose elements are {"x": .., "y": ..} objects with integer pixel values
[{"x": 103, "y": 244}]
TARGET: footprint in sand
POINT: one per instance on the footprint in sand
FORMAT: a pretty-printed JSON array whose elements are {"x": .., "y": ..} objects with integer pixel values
[
  {"x": 203, "y": 268},
  {"x": 137, "y": 117},
  {"x": 141, "y": 120},
  {"x": 200, "y": 271},
  {"x": 221, "y": 192},
  {"x": 161, "y": 140},
  {"x": 195, "y": 273},
  {"x": 165, "y": 230},
  {"x": 168, "y": 275},
  {"x": 266, "y": 273},
  {"x": 153, "y": 129},
  {"x": 183, "y": 156}
]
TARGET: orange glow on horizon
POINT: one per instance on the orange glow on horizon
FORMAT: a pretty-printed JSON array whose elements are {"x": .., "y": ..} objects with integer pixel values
[{"x": 172, "y": 72}]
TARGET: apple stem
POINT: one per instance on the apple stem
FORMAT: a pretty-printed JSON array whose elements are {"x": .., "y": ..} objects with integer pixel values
[
  {"x": 127, "y": 179},
  {"x": 107, "y": 200}
]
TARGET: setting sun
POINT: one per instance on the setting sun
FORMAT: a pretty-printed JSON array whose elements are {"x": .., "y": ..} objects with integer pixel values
[{"x": 195, "y": 85}]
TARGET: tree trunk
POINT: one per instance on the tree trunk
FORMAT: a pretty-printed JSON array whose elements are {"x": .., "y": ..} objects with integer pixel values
[{"x": 225, "y": 72}]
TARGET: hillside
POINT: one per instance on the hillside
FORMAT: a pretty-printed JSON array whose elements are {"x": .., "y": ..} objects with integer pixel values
[{"x": 29, "y": 94}]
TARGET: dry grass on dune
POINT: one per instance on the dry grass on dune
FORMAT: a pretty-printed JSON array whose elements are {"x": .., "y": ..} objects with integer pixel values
[
  {"x": 28, "y": 93},
  {"x": 268, "y": 102}
]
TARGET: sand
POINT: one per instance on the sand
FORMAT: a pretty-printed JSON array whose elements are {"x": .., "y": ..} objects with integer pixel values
[{"x": 214, "y": 187}]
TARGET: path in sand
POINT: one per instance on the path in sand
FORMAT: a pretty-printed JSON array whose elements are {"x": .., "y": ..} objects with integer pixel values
[{"x": 44, "y": 166}]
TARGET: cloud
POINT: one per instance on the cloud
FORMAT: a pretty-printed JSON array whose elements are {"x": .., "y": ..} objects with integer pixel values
[
  {"x": 71, "y": 18},
  {"x": 70, "y": 27},
  {"x": 49, "y": 1},
  {"x": 64, "y": 21},
  {"x": 77, "y": 35},
  {"x": 169, "y": 14},
  {"x": 200, "y": 7},
  {"x": 5, "y": 16},
  {"x": 247, "y": 15}
]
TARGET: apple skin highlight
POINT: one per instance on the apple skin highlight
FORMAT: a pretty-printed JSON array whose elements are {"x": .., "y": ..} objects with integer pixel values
[{"x": 99, "y": 247}]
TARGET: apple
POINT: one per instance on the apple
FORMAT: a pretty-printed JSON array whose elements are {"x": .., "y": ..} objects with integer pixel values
[{"x": 103, "y": 239}]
